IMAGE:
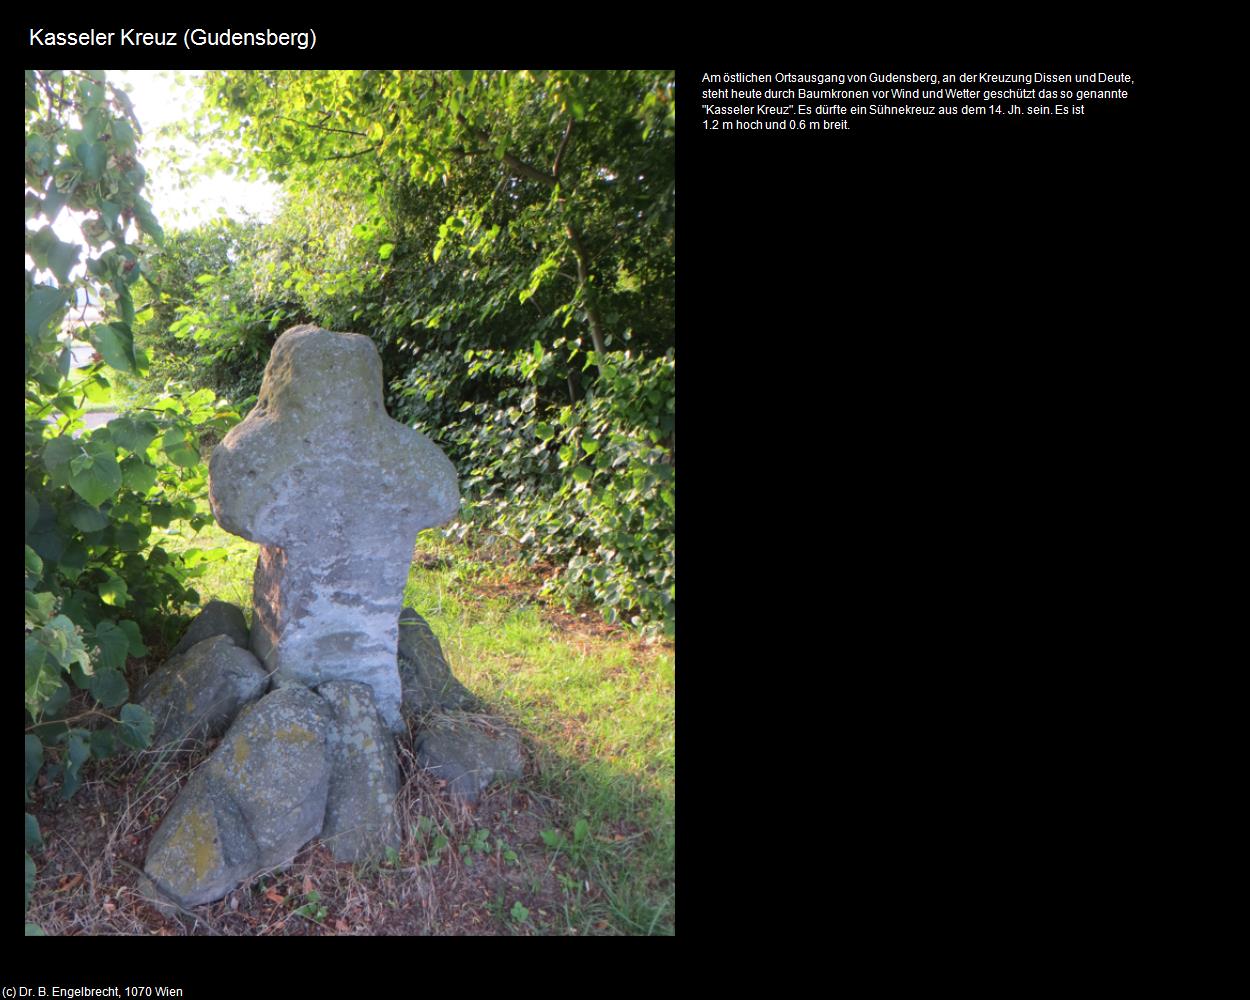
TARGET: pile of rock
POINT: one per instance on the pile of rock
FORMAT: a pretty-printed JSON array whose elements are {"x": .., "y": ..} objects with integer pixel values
[{"x": 309, "y": 700}]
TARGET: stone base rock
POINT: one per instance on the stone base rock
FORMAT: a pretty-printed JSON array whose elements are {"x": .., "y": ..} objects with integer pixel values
[
  {"x": 252, "y": 805},
  {"x": 364, "y": 777},
  {"x": 217, "y": 618},
  {"x": 459, "y": 750},
  {"x": 196, "y": 695},
  {"x": 424, "y": 675}
]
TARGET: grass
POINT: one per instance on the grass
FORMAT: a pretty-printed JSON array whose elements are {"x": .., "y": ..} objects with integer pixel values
[{"x": 583, "y": 845}]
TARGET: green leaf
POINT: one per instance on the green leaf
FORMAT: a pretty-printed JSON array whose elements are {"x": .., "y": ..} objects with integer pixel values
[
  {"x": 57, "y": 454},
  {"x": 88, "y": 519},
  {"x": 113, "y": 592},
  {"x": 34, "y": 567},
  {"x": 552, "y": 838},
  {"x": 44, "y": 307},
  {"x": 30, "y": 884},
  {"x": 109, "y": 688},
  {"x": 53, "y": 201},
  {"x": 147, "y": 221},
  {"x": 519, "y": 913},
  {"x": 136, "y": 727},
  {"x": 183, "y": 454},
  {"x": 590, "y": 447},
  {"x": 32, "y": 510},
  {"x": 581, "y": 474},
  {"x": 73, "y": 560},
  {"x": 113, "y": 643},
  {"x": 133, "y": 434},
  {"x": 385, "y": 250},
  {"x": 98, "y": 482},
  {"x": 98, "y": 389},
  {"x": 134, "y": 642},
  {"x": 116, "y": 345},
  {"x": 123, "y": 136},
  {"x": 137, "y": 475},
  {"x": 39, "y": 606},
  {"x": 580, "y": 830},
  {"x": 127, "y": 537},
  {"x": 33, "y": 837},
  {"x": 34, "y": 758},
  {"x": 93, "y": 156},
  {"x": 103, "y": 742}
]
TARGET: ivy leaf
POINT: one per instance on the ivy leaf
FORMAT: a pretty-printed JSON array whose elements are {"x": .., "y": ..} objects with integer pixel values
[{"x": 97, "y": 483}]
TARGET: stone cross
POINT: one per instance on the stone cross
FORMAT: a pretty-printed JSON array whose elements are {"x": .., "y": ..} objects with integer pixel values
[{"x": 335, "y": 492}]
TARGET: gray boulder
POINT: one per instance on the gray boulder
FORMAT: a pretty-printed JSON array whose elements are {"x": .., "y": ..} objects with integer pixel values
[
  {"x": 217, "y": 618},
  {"x": 463, "y": 751},
  {"x": 364, "y": 777},
  {"x": 252, "y": 805},
  {"x": 425, "y": 677},
  {"x": 197, "y": 694}
]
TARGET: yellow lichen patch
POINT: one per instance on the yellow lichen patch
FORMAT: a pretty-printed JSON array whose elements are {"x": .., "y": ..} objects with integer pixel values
[
  {"x": 296, "y": 734},
  {"x": 241, "y": 750},
  {"x": 194, "y": 840}
]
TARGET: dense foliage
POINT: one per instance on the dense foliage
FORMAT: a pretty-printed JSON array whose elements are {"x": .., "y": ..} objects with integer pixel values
[
  {"x": 96, "y": 578},
  {"x": 507, "y": 240}
]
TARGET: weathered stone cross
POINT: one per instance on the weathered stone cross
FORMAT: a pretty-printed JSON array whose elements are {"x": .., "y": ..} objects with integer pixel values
[{"x": 335, "y": 492}]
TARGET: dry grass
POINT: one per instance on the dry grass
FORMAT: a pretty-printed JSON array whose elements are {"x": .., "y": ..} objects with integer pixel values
[{"x": 460, "y": 870}]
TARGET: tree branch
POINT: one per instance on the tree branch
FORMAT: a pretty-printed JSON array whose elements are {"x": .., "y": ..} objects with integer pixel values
[
  {"x": 555, "y": 167},
  {"x": 347, "y": 156},
  {"x": 322, "y": 128},
  {"x": 520, "y": 166},
  {"x": 583, "y": 280}
]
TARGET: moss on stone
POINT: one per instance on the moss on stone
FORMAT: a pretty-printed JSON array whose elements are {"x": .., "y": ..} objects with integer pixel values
[{"x": 296, "y": 734}]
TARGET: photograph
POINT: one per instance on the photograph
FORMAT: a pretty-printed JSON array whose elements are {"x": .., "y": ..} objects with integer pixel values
[{"x": 349, "y": 498}]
